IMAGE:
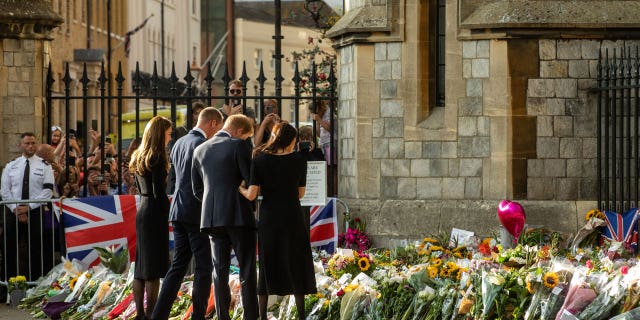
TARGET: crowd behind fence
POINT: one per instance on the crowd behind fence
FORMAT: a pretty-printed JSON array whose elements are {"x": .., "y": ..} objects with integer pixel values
[{"x": 91, "y": 149}]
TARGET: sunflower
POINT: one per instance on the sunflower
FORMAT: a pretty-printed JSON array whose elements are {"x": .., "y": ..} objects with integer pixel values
[
  {"x": 600, "y": 215},
  {"x": 595, "y": 213},
  {"x": 433, "y": 272},
  {"x": 445, "y": 273},
  {"x": 550, "y": 279},
  {"x": 364, "y": 264},
  {"x": 530, "y": 287},
  {"x": 437, "y": 248},
  {"x": 72, "y": 283},
  {"x": 436, "y": 262}
]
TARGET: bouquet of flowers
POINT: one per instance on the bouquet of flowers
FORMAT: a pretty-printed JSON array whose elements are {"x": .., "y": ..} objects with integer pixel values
[
  {"x": 608, "y": 297},
  {"x": 351, "y": 262},
  {"x": 355, "y": 236},
  {"x": 492, "y": 282},
  {"x": 17, "y": 283}
]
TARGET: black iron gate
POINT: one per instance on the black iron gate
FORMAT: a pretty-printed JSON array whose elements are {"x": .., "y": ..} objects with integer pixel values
[
  {"x": 177, "y": 92},
  {"x": 618, "y": 113}
]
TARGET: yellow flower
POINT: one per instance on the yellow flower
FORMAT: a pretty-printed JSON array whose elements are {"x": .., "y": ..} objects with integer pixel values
[
  {"x": 590, "y": 214},
  {"x": 364, "y": 264},
  {"x": 319, "y": 295},
  {"x": 432, "y": 271},
  {"x": 550, "y": 279},
  {"x": 436, "y": 248},
  {"x": 436, "y": 262},
  {"x": 530, "y": 287},
  {"x": 457, "y": 255},
  {"x": 452, "y": 265},
  {"x": 430, "y": 240},
  {"x": 600, "y": 215},
  {"x": 72, "y": 283},
  {"x": 445, "y": 273}
]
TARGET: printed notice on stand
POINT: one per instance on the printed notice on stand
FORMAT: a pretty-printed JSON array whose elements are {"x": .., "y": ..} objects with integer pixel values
[{"x": 316, "y": 191}]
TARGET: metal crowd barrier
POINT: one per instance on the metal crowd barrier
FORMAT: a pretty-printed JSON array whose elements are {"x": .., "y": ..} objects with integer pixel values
[{"x": 47, "y": 231}]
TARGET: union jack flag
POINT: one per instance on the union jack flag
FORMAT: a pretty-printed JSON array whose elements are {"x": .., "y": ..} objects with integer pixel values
[
  {"x": 105, "y": 221},
  {"x": 324, "y": 226},
  {"x": 622, "y": 227}
]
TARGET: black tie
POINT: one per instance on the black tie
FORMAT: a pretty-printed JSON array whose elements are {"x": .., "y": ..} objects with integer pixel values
[{"x": 25, "y": 182}]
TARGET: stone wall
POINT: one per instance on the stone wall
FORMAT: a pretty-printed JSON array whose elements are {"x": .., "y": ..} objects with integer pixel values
[
  {"x": 518, "y": 121},
  {"x": 23, "y": 63},
  {"x": 565, "y": 167}
]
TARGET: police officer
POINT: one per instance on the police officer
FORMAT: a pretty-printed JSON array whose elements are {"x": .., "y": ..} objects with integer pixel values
[{"x": 27, "y": 177}]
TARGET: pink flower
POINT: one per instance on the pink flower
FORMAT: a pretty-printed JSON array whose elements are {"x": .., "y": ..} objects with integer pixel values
[
  {"x": 624, "y": 270},
  {"x": 340, "y": 293},
  {"x": 322, "y": 76},
  {"x": 309, "y": 40},
  {"x": 589, "y": 264}
]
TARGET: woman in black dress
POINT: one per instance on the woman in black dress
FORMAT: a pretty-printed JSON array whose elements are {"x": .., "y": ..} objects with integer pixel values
[
  {"x": 286, "y": 265},
  {"x": 150, "y": 165}
]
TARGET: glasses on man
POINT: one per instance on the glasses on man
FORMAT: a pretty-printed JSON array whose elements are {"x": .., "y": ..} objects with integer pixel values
[{"x": 235, "y": 91}]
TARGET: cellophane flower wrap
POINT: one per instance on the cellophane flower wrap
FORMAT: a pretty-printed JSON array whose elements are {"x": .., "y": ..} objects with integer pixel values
[
  {"x": 580, "y": 293},
  {"x": 492, "y": 282},
  {"x": 556, "y": 280}
]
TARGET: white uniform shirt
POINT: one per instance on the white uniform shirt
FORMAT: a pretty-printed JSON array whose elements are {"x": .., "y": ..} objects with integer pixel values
[{"x": 41, "y": 180}]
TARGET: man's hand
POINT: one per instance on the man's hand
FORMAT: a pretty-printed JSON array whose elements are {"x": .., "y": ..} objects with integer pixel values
[
  {"x": 315, "y": 117},
  {"x": 22, "y": 212},
  {"x": 236, "y": 110},
  {"x": 95, "y": 136}
]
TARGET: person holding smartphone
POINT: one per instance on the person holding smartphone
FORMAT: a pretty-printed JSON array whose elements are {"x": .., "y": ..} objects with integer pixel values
[
  {"x": 270, "y": 118},
  {"x": 235, "y": 106}
]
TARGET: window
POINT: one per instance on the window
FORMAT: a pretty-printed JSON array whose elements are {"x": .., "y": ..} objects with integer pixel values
[
  {"x": 257, "y": 56},
  {"x": 440, "y": 52}
]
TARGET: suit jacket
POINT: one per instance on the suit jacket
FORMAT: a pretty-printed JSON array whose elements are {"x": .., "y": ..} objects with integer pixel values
[
  {"x": 185, "y": 207},
  {"x": 219, "y": 166}
]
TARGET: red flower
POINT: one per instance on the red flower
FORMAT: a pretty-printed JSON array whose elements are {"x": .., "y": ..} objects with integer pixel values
[
  {"x": 484, "y": 249},
  {"x": 322, "y": 76},
  {"x": 309, "y": 40},
  {"x": 340, "y": 293},
  {"x": 589, "y": 264},
  {"x": 624, "y": 270}
]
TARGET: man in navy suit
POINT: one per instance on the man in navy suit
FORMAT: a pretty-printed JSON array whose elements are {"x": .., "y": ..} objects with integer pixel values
[
  {"x": 185, "y": 216},
  {"x": 219, "y": 167}
]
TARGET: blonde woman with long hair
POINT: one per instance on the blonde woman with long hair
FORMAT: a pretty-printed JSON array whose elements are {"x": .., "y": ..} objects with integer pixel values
[{"x": 150, "y": 164}]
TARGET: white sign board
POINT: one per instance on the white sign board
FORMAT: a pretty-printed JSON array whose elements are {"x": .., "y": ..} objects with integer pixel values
[{"x": 316, "y": 191}]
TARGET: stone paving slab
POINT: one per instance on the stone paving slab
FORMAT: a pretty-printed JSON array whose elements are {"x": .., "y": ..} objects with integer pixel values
[{"x": 7, "y": 312}]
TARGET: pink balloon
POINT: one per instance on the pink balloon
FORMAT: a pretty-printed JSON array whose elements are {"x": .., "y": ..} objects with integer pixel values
[{"x": 512, "y": 217}]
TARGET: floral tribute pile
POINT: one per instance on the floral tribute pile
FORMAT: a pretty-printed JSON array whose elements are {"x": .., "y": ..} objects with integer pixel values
[{"x": 544, "y": 275}]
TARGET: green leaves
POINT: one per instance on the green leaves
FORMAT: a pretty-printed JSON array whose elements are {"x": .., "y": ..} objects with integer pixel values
[{"x": 115, "y": 260}]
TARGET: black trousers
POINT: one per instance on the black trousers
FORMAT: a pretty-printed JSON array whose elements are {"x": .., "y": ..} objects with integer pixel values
[
  {"x": 24, "y": 252},
  {"x": 243, "y": 242},
  {"x": 189, "y": 242}
]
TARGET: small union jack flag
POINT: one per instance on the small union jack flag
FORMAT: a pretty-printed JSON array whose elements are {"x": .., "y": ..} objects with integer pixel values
[
  {"x": 622, "y": 227},
  {"x": 324, "y": 226}
]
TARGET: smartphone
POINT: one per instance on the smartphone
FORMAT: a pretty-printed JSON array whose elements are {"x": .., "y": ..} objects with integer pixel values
[
  {"x": 269, "y": 109},
  {"x": 236, "y": 102},
  {"x": 107, "y": 140},
  {"x": 72, "y": 135},
  {"x": 94, "y": 124},
  {"x": 305, "y": 145}
]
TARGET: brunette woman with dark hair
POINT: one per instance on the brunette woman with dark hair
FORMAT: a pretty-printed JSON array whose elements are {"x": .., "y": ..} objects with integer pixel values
[
  {"x": 279, "y": 174},
  {"x": 150, "y": 164}
]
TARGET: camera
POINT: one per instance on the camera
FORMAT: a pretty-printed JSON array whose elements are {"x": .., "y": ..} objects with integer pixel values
[
  {"x": 107, "y": 140},
  {"x": 235, "y": 102},
  {"x": 72, "y": 134},
  {"x": 305, "y": 145},
  {"x": 107, "y": 167},
  {"x": 71, "y": 161}
]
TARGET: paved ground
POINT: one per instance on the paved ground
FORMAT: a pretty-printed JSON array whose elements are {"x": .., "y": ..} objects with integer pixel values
[{"x": 7, "y": 312}]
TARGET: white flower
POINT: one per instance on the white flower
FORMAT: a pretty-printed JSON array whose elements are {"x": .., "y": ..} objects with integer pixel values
[{"x": 496, "y": 279}]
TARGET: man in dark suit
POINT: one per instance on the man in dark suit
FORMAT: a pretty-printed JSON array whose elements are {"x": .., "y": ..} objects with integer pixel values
[
  {"x": 185, "y": 216},
  {"x": 219, "y": 167}
]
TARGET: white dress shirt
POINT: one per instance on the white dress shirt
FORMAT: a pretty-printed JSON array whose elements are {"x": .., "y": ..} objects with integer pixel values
[{"x": 41, "y": 180}]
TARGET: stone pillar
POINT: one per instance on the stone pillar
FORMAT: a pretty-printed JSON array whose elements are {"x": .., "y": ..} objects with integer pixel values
[{"x": 25, "y": 36}]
